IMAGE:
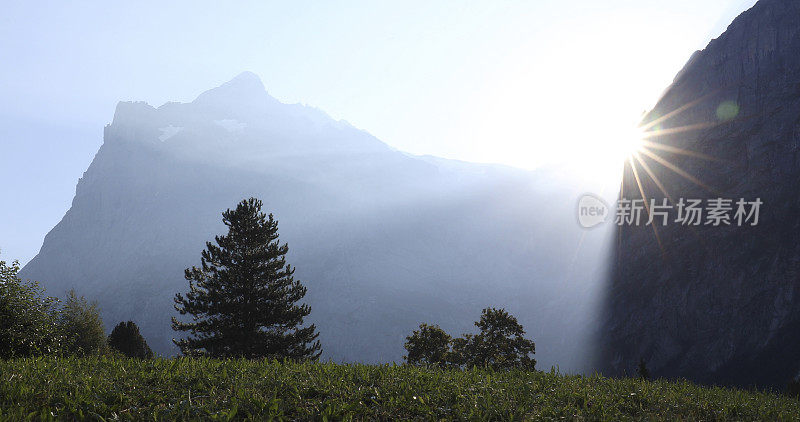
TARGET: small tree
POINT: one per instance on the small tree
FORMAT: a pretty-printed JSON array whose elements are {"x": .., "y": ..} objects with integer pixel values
[
  {"x": 430, "y": 345},
  {"x": 126, "y": 339},
  {"x": 27, "y": 316},
  {"x": 243, "y": 298},
  {"x": 500, "y": 343},
  {"x": 81, "y": 327},
  {"x": 643, "y": 372}
]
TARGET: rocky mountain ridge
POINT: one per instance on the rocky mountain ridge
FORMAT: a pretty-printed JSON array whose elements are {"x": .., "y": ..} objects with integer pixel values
[{"x": 718, "y": 304}]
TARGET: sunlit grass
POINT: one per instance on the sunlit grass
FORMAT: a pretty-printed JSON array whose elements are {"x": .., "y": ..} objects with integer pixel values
[{"x": 205, "y": 389}]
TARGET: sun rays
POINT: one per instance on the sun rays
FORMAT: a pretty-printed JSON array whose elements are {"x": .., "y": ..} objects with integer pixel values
[
  {"x": 649, "y": 150},
  {"x": 647, "y": 157}
]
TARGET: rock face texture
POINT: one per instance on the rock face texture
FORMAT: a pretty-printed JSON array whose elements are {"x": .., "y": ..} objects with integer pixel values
[
  {"x": 383, "y": 240},
  {"x": 718, "y": 304}
]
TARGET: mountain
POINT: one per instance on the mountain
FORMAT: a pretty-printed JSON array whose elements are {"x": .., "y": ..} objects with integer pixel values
[
  {"x": 382, "y": 239},
  {"x": 718, "y": 304}
]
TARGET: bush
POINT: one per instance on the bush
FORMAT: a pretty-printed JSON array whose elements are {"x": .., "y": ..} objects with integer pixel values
[
  {"x": 27, "y": 316},
  {"x": 126, "y": 339},
  {"x": 81, "y": 327}
]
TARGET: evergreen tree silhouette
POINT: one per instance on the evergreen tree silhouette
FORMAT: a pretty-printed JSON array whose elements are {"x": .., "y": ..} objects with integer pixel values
[{"x": 243, "y": 298}]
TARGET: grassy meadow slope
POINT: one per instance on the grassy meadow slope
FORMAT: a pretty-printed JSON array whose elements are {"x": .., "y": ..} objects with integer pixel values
[{"x": 206, "y": 389}]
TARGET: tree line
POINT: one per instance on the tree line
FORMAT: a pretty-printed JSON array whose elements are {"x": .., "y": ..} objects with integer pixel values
[
  {"x": 242, "y": 302},
  {"x": 32, "y": 323}
]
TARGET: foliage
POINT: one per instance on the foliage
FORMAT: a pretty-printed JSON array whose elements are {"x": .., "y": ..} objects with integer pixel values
[
  {"x": 126, "y": 339},
  {"x": 243, "y": 297},
  {"x": 500, "y": 343},
  {"x": 430, "y": 345},
  {"x": 104, "y": 388},
  {"x": 27, "y": 316},
  {"x": 81, "y": 327}
]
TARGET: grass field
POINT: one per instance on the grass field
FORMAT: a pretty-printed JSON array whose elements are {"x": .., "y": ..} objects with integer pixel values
[{"x": 205, "y": 389}]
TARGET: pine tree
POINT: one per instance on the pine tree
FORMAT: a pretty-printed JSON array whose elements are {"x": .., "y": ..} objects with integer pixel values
[
  {"x": 243, "y": 298},
  {"x": 126, "y": 339}
]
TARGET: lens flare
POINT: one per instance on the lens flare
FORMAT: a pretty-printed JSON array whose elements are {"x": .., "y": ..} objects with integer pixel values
[{"x": 631, "y": 142}]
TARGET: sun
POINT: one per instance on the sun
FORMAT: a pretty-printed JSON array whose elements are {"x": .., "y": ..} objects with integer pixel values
[
  {"x": 609, "y": 149},
  {"x": 631, "y": 141},
  {"x": 623, "y": 145}
]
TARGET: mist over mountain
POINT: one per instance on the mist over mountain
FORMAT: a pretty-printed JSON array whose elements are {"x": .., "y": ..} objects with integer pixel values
[
  {"x": 719, "y": 304},
  {"x": 382, "y": 239}
]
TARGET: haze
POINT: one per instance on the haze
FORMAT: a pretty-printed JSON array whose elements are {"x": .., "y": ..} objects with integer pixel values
[{"x": 525, "y": 84}]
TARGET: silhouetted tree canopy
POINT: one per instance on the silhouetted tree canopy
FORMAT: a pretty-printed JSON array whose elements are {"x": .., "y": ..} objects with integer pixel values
[
  {"x": 243, "y": 298},
  {"x": 429, "y": 345},
  {"x": 500, "y": 344},
  {"x": 126, "y": 339}
]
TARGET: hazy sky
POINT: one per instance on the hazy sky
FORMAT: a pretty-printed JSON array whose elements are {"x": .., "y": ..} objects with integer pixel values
[{"x": 523, "y": 83}]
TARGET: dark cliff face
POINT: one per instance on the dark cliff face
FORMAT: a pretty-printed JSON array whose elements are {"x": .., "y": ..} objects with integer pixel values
[
  {"x": 383, "y": 240},
  {"x": 718, "y": 304}
]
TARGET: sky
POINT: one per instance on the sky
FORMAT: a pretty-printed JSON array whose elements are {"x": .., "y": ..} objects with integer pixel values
[{"x": 522, "y": 83}]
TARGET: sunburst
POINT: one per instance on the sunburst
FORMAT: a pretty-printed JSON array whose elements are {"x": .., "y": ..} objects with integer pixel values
[{"x": 645, "y": 152}]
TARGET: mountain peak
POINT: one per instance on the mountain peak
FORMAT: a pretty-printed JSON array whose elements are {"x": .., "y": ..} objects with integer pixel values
[
  {"x": 246, "y": 80},
  {"x": 246, "y": 89}
]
